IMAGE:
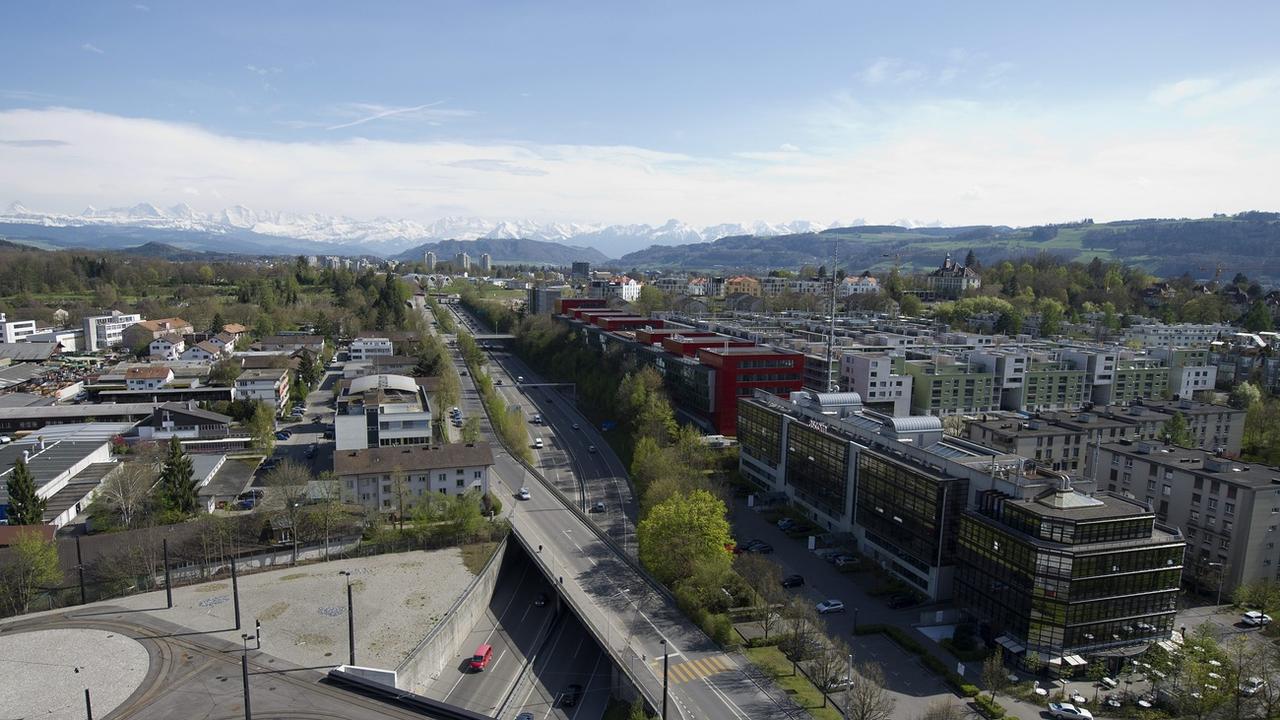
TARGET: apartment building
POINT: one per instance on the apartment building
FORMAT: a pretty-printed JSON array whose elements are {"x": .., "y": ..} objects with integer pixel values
[
  {"x": 486, "y": 263},
  {"x": 1155, "y": 334},
  {"x": 367, "y": 348},
  {"x": 542, "y": 298},
  {"x": 1230, "y": 511},
  {"x": 943, "y": 386},
  {"x": 382, "y": 411},
  {"x": 864, "y": 284},
  {"x": 1190, "y": 371},
  {"x": 102, "y": 332},
  {"x": 879, "y": 379},
  {"x": 268, "y": 385},
  {"x": 12, "y": 331},
  {"x": 385, "y": 478},
  {"x": 462, "y": 262}
]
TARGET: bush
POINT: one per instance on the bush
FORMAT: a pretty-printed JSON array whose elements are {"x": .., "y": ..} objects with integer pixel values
[
  {"x": 968, "y": 690},
  {"x": 988, "y": 707},
  {"x": 771, "y": 641}
]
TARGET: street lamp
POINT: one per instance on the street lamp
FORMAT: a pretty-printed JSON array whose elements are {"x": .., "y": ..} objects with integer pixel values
[
  {"x": 351, "y": 621},
  {"x": 1222, "y": 576},
  {"x": 244, "y": 673},
  {"x": 664, "y": 678}
]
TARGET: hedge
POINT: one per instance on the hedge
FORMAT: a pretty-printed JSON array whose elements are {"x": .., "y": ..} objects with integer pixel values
[{"x": 988, "y": 707}]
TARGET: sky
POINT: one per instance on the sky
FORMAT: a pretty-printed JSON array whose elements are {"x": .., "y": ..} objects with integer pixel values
[{"x": 610, "y": 112}]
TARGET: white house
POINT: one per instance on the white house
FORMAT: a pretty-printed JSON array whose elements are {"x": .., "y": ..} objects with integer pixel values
[
  {"x": 167, "y": 347},
  {"x": 379, "y": 478},
  {"x": 365, "y": 348},
  {"x": 147, "y": 377},
  {"x": 863, "y": 284},
  {"x": 268, "y": 385},
  {"x": 205, "y": 351}
]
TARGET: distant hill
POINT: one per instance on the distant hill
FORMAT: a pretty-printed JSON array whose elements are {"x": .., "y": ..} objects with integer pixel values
[
  {"x": 166, "y": 252},
  {"x": 1247, "y": 242},
  {"x": 508, "y": 251},
  {"x": 123, "y": 237}
]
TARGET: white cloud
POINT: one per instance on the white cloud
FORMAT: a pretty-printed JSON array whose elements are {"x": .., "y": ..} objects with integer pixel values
[
  {"x": 1181, "y": 90},
  {"x": 262, "y": 71},
  {"x": 960, "y": 162},
  {"x": 90, "y": 47},
  {"x": 890, "y": 71},
  {"x": 431, "y": 113}
]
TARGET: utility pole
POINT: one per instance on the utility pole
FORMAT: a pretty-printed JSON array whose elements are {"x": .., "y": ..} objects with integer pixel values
[
  {"x": 235, "y": 591},
  {"x": 351, "y": 621},
  {"x": 244, "y": 675},
  {"x": 665, "y": 656},
  {"x": 80, "y": 570},
  {"x": 168, "y": 581}
]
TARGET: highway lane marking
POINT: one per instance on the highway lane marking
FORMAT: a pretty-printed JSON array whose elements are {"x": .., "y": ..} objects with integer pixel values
[
  {"x": 497, "y": 619},
  {"x": 738, "y": 712}
]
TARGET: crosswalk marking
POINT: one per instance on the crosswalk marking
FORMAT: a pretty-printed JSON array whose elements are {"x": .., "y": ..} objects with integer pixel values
[{"x": 693, "y": 669}]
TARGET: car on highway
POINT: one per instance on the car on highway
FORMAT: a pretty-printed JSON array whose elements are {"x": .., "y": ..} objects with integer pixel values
[
  {"x": 591, "y": 448},
  {"x": 540, "y": 600},
  {"x": 598, "y": 507},
  {"x": 575, "y": 426},
  {"x": 1067, "y": 711},
  {"x": 481, "y": 658},
  {"x": 1255, "y": 618},
  {"x": 827, "y": 607},
  {"x": 793, "y": 581},
  {"x": 571, "y": 695},
  {"x": 525, "y": 716},
  {"x": 537, "y": 443},
  {"x": 523, "y": 494},
  {"x": 519, "y": 378}
]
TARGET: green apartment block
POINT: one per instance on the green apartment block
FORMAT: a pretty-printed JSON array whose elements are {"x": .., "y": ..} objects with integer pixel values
[
  {"x": 1139, "y": 379},
  {"x": 950, "y": 388},
  {"x": 1054, "y": 385}
]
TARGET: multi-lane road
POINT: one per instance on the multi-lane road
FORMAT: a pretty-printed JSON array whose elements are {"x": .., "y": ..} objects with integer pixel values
[{"x": 636, "y": 621}]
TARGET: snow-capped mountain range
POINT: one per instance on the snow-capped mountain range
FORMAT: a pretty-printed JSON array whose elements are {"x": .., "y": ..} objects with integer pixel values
[{"x": 387, "y": 236}]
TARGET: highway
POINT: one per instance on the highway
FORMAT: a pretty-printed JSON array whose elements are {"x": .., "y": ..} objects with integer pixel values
[{"x": 625, "y": 612}]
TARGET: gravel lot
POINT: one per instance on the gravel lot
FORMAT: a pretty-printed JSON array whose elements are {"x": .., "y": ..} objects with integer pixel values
[
  {"x": 398, "y": 599},
  {"x": 40, "y": 678}
]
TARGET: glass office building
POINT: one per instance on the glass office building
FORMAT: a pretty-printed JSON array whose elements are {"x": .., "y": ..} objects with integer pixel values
[{"x": 1065, "y": 574}]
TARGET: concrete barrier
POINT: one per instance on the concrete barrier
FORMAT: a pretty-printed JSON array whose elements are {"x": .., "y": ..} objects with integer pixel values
[{"x": 441, "y": 645}]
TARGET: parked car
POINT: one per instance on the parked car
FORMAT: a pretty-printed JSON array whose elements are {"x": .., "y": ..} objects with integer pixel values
[
  {"x": 523, "y": 494},
  {"x": 1255, "y": 618},
  {"x": 537, "y": 419},
  {"x": 901, "y": 600},
  {"x": 1252, "y": 686},
  {"x": 830, "y": 606},
  {"x": 786, "y": 523},
  {"x": 571, "y": 695},
  {"x": 525, "y": 716},
  {"x": 763, "y": 548},
  {"x": 1067, "y": 711},
  {"x": 846, "y": 560},
  {"x": 283, "y": 435},
  {"x": 497, "y": 381},
  {"x": 793, "y": 581}
]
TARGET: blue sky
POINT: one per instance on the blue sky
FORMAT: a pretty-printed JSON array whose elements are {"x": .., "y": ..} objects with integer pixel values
[{"x": 636, "y": 112}]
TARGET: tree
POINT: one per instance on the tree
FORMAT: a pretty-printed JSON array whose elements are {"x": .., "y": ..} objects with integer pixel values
[
  {"x": 1177, "y": 432},
  {"x": 325, "y": 514},
  {"x": 403, "y": 492},
  {"x": 1258, "y": 319},
  {"x": 26, "y": 507},
  {"x": 463, "y": 516},
  {"x": 32, "y": 564},
  {"x": 262, "y": 428},
  {"x": 764, "y": 577},
  {"x": 866, "y": 697},
  {"x": 125, "y": 491},
  {"x": 287, "y": 494},
  {"x": 224, "y": 372},
  {"x": 471, "y": 430},
  {"x": 803, "y": 625},
  {"x": 829, "y": 666},
  {"x": 218, "y": 323},
  {"x": 1244, "y": 395},
  {"x": 177, "y": 483},
  {"x": 994, "y": 676},
  {"x": 971, "y": 260},
  {"x": 910, "y": 306},
  {"x": 681, "y": 531}
]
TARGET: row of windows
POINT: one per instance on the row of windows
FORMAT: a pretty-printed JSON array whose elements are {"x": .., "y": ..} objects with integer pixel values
[
  {"x": 905, "y": 506},
  {"x": 817, "y": 468}
]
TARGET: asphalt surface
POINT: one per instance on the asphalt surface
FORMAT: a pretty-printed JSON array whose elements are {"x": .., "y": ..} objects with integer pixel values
[{"x": 636, "y": 622}]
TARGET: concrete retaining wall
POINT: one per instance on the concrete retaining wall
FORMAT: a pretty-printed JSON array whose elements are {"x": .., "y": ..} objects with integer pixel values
[{"x": 442, "y": 644}]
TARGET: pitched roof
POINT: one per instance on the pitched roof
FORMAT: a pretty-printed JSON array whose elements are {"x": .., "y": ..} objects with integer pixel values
[
  {"x": 235, "y": 328},
  {"x": 411, "y": 458},
  {"x": 147, "y": 372},
  {"x": 195, "y": 412}
]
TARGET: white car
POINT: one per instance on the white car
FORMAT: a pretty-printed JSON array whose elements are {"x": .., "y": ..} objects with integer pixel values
[
  {"x": 1253, "y": 617},
  {"x": 830, "y": 606},
  {"x": 1069, "y": 712},
  {"x": 537, "y": 443},
  {"x": 523, "y": 494},
  {"x": 1252, "y": 686}
]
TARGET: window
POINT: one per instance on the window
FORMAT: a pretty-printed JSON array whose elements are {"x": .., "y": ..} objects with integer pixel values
[
  {"x": 1167, "y": 489},
  {"x": 1213, "y": 504},
  {"x": 459, "y": 482},
  {"x": 1151, "y": 484},
  {"x": 476, "y": 474},
  {"x": 1195, "y": 516},
  {"x": 1195, "y": 498},
  {"x": 1228, "y": 508}
]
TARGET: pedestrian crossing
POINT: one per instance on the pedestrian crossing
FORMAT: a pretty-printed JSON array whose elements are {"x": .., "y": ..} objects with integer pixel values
[{"x": 693, "y": 669}]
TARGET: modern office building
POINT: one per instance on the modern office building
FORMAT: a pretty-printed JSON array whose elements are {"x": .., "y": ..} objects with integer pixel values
[
  {"x": 382, "y": 411},
  {"x": 1061, "y": 576},
  {"x": 367, "y": 348},
  {"x": 1229, "y": 510},
  {"x": 102, "y": 332},
  {"x": 486, "y": 263},
  {"x": 12, "y": 331},
  {"x": 879, "y": 379},
  {"x": 580, "y": 270}
]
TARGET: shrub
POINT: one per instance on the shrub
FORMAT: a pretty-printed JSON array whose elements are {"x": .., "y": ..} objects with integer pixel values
[
  {"x": 988, "y": 707},
  {"x": 968, "y": 690}
]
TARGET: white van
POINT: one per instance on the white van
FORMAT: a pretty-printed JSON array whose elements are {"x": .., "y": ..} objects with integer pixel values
[{"x": 537, "y": 443}]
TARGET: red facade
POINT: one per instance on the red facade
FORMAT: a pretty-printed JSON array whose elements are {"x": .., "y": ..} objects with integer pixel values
[{"x": 740, "y": 370}]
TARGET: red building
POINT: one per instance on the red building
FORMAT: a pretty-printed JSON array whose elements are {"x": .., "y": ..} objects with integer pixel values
[
  {"x": 566, "y": 305},
  {"x": 688, "y": 345},
  {"x": 737, "y": 371},
  {"x": 624, "y": 322}
]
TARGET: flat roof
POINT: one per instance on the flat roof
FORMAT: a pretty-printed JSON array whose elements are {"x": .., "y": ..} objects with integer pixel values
[
  {"x": 262, "y": 374},
  {"x": 752, "y": 350},
  {"x": 56, "y": 459},
  {"x": 76, "y": 411},
  {"x": 1193, "y": 460},
  {"x": 1071, "y": 504},
  {"x": 411, "y": 458}
]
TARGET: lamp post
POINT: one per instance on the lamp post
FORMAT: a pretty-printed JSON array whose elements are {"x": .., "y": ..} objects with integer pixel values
[
  {"x": 1222, "y": 576},
  {"x": 664, "y": 678},
  {"x": 351, "y": 621},
  {"x": 244, "y": 673}
]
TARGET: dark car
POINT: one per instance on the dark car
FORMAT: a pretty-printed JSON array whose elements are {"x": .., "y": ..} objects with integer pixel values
[
  {"x": 571, "y": 696},
  {"x": 763, "y": 548},
  {"x": 901, "y": 600},
  {"x": 793, "y": 581},
  {"x": 540, "y": 600},
  {"x": 598, "y": 507}
]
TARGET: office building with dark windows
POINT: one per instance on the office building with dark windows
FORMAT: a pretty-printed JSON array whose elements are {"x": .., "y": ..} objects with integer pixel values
[{"x": 1062, "y": 576}]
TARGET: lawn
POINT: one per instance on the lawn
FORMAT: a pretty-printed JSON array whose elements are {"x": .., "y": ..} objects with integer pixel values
[
  {"x": 772, "y": 661},
  {"x": 475, "y": 555}
]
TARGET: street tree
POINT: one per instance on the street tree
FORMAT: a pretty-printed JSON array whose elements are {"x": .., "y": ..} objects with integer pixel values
[
  {"x": 803, "y": 628},
  {"x": 32, "y": 564},
  {"x": 177, "y": 481},
  {"x": 763, "y": 576},
  {"x": 126, "y": 491},
  {"x": 286, "y": 496},
  {"x": 682, "y": 530},
  {"x": 325, "y": 514},
  {"x": 994, "y": 675},
  {"x": 829, "y": 666},
  {"x": 26, "y": 507},
  {"x": 866, "y": 697},
  {"x": 471, "y": 430},
  {"x": 262, "y": 428}
]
